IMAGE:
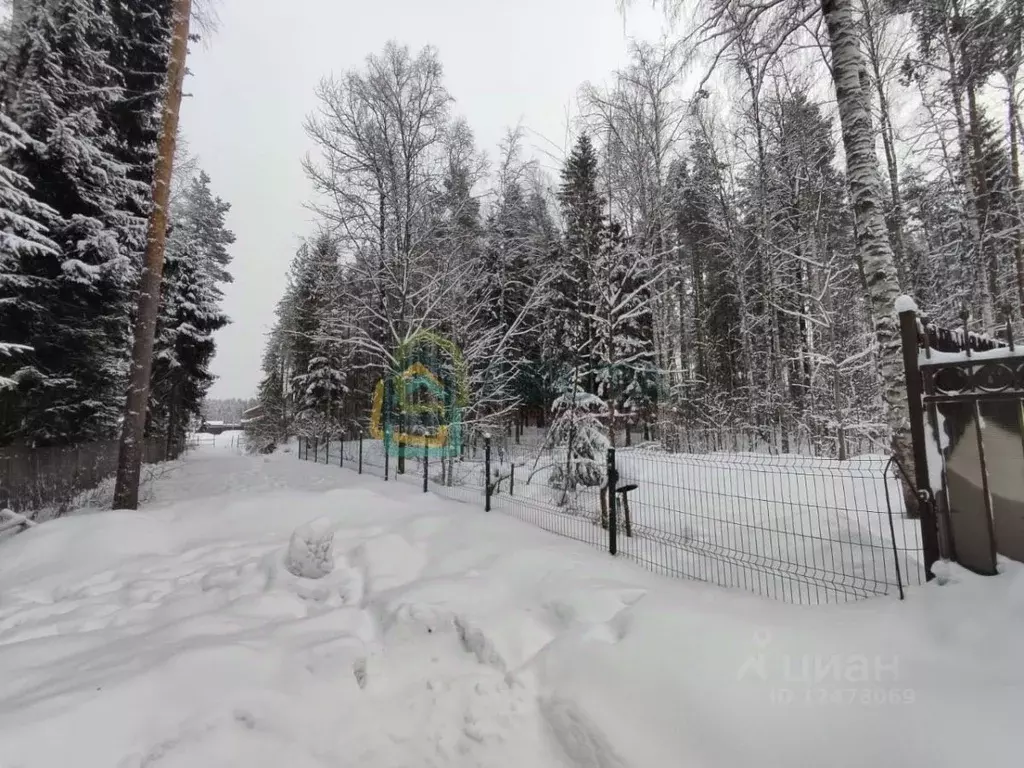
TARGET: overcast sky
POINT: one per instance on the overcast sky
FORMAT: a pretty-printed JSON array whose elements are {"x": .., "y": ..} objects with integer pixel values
[{"x": 252, "y": 84}]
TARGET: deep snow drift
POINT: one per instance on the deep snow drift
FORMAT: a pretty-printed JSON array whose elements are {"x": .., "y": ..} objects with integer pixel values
[{"x": 439, "y": 635}]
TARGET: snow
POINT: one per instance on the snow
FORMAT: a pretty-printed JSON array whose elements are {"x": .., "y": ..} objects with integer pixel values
[
  {"x": 309, "y": 551},
  {"x": 444, "y": 636},
  {"x": 905, "y": 303},
  {"x": 936, "y": 444},
  {"x": 934, "y": 357}
]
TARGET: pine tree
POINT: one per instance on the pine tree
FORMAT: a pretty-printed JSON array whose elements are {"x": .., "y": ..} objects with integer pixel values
[
  {"x": 316, "y": 357},
  {"x": 65, "y": 91},
  {"x": 139, "y": 52},
  {"x": 583, "y": 219},
  {"x": 274, "y": 424},
  {"x": 23, "y": 225},
  {"x": 190, "y": 314},
  {"x": 578, "y": 440},
  {"x": 718, "y": 364},
  {"x": 623, "y": 353}
]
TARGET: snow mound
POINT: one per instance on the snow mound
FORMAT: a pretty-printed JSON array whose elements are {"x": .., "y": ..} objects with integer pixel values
[
  {"x": 310, "y": 554},
  {"x": 83, "y": 543},
  {"x": 389, "y": 562}
]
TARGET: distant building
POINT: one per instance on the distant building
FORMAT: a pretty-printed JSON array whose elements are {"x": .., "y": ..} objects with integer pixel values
[
  {"x": 252, "y": 414},
  {"x": 218, "y": 427}
]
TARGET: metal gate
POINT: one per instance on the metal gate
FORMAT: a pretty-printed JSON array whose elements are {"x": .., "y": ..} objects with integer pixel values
[{"x": 966, "y": 392}]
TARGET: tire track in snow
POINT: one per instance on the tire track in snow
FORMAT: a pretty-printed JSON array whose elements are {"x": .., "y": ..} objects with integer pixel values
[{"x": 577, "y": 738}]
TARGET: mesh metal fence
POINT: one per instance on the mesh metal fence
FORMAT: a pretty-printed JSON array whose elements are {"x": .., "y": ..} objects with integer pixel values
[{"x": 793, "y": 528}]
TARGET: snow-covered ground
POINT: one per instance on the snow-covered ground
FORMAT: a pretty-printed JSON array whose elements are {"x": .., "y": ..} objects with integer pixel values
[{"x": 444, "y": 636}]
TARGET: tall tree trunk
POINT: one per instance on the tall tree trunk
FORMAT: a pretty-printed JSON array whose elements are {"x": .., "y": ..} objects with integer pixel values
[
  {"x": 989, "y": 263},
  {"x": 975, "y": 273},
  {"x": 1017, "y": 194},
  {"x": 896, "y": 218},
  {"x": 129, "y": 466},
  {"x": 873, "y": 248}
]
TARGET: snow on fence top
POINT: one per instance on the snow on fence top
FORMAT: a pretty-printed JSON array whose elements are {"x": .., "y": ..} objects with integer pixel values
[
  {"x": 954, "y": 340},
  {"x": 950, "y": 340}
]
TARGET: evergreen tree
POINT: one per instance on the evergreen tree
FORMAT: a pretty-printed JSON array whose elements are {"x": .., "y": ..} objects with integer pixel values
[
  {"x": 578, "y": 440},
  {"x": 316, "y": 358},
  {"x": 23, "y": 224},
  {"x": 718, "y": 365},
  {"x": 583, "y": 220},
  {"x": 139, "y": 51},
  {"x": 190, "y": 312},
  {"x": 79, "y": 330},
  {"x": 623, "y": 352},
  {"x": 274, "y": 424}
]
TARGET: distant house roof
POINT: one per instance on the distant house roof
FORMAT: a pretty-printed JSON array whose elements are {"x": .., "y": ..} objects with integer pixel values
[{"x": 210, "y": 423}]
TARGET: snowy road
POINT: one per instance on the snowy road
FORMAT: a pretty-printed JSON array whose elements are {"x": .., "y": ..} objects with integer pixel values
[{"x": 444, "y": 636}]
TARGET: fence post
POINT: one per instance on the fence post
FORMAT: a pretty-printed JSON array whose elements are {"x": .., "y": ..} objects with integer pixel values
[
  {"x": 299, "y": 452},
  {"x": 512, "y": 480},
  {"x": 613, "y": 477},
  {"x": 387, "y": 456},
  {"x": 327, "y": 451},
  {"x": 316, "y": 451},
  {"x": 487, "y": 472},
  {"x": 915, "y": 404},
  {"x": 426, "y": 467},
  {"x": 360, "y": 450},
  {"x": 341, "y": 451}
]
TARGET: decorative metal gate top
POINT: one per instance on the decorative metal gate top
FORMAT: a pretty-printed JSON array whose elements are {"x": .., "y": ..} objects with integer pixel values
[{"x": 991, "y": 375}]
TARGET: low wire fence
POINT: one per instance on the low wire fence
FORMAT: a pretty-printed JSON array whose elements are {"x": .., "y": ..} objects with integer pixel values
[
  {"x": 793, "y": 528},
  {"x": 45, "y": 482}
]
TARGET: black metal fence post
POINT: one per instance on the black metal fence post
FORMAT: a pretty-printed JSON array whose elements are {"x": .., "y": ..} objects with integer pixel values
[
  {"x": 512, "y": 480},
  {"x": 915, "y": 403},
  {"x": 360, "y": 451},
  {"x": 487, "y": 473},
  {"x": 316, "y": 451},
  {"x": 327, "y": 451},
  {"x": 341, "y": 450},
  {"x": 426, "y": 468},
  {"x": 299, "y": 451},
  {"x": 613, "y": 477}
]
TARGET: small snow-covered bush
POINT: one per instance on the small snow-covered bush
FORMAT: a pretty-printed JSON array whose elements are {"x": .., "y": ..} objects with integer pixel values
[
  {"x": 310, "y": 553},
  {"x": 579, "y": 441}
]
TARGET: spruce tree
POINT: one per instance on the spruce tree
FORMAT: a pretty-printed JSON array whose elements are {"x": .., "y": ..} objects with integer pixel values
[
  {"x": 318, "y": 381},
  {"x": 65, "y": 90},
  {"x": 190, "y": 313},
  {"x": 23, "y": 225},
  {"x": 274, "y": 424},
  {"x": 139, "y": 51},
  {"x": 583, "y": 219}
]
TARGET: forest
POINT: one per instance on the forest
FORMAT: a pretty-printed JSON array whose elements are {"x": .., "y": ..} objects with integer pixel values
[
  {"x": 720, "y": 249},
  {"x": 81, "y": 86}
]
